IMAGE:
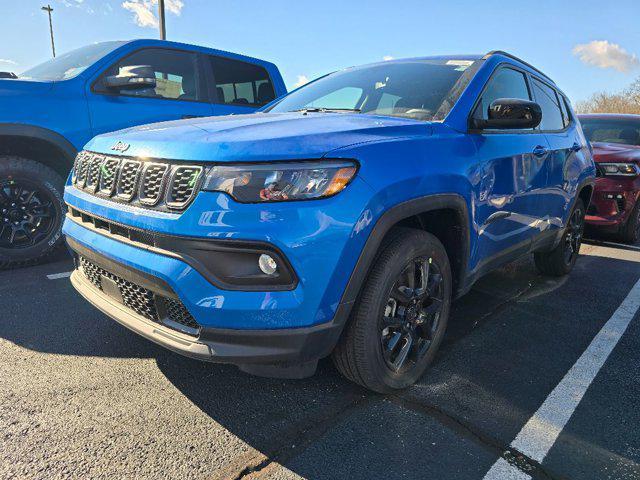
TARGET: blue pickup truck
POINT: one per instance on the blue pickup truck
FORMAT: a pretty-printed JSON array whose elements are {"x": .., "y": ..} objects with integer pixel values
[{"x": 50, "y": 111}]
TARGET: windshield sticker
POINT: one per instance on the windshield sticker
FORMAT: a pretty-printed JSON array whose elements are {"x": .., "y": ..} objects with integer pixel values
[{"x": 461, "y": 65}]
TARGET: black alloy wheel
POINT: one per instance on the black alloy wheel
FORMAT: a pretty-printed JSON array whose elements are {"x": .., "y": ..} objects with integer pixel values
[
  {"x": 27, "y": 213},
  {"x": 411, "y": 316},
  {"x": 401, "y": 314},
  {"x": 573, "y": 235}
]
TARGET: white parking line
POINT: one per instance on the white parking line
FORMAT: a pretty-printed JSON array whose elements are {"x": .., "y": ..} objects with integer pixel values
[
  {"x": 542, "y": 430},
  {"x": 56, "y": 276}
]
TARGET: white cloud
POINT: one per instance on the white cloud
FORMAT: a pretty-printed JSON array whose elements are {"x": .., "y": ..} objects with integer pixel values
[
  {"x": 302, "y": 79},
  {"x": 6, "y": 60},
  {"x": 144, "y": 11},
  {"x": 386, "y": 58},
  {"x": 604, "y": 54}
]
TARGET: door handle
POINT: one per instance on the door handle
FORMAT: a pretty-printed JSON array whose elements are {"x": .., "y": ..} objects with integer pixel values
[
  {"x": 576, "y": 147},
  {"x": 540, "y": 151},
  {"x": 192, "y": 116}
]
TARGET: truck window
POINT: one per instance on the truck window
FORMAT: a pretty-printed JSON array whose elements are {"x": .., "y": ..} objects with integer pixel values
[
  {"x": 241, "y": 83},
  {"x": 176, "y": 74}
]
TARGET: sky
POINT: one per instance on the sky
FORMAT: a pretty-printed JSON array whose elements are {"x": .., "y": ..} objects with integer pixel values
[{"x": 586, "y": 46}]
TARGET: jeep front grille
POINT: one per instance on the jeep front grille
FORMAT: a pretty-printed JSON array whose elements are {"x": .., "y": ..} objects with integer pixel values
[
  {"x": 152, "y": 306},
  {"x": 164, "y": 186}
]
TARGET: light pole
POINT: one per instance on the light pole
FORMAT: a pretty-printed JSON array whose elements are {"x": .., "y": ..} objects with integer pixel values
[
  {"x": 48, "y": 9},
  {"x": 163, "y": 30}
]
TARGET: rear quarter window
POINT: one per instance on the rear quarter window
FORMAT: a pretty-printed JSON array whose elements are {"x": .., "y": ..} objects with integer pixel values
[
  {"x": 547, "y": 98},
  {"x": 241, "y": 83}
]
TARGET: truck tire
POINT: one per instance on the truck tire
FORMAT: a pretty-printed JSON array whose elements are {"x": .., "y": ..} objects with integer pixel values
[
  {"x": 562, "y": 258},
  {"x": 400, "y": 317},
  {"x": 630, "y": 233},
  {"x": 31, "y": 211}
]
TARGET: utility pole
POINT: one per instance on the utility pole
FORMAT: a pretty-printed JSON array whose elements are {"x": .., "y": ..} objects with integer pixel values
[
  {"x": 163, "y": 30},
  {"x": 48, "y": 9}
]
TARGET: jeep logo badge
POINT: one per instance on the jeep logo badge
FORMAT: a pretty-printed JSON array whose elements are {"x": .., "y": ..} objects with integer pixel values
[{"x": 121, "y": 147}]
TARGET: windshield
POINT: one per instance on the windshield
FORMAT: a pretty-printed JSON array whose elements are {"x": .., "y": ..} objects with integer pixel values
[
  {"x": 624, "y": 131},
  {"x": 70, "y": 64},
  {"x": 419, "y": 89}
]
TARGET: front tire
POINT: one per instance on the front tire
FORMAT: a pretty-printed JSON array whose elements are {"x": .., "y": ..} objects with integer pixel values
[
  {"x": 399, "y": 320},
  {"x": 562, "y": 258},
  {"x": 31, "y": 211}
]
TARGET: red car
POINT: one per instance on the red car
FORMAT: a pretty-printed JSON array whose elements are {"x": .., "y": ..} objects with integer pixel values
[{"x": 615, "y": 204}]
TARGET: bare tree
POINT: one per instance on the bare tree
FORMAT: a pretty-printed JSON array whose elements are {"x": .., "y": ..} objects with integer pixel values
[{"x": 626, "y": 101}]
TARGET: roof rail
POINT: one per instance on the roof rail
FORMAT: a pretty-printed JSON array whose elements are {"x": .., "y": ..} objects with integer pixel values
[{"x": 507, "y": 54}]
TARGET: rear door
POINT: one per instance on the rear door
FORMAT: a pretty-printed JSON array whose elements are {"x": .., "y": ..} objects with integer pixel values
[
  {"x": 237, "y": 86},
  {"x": 181, "y": 92},
  {"x": 566, "y": 145},
  {"x": 511, "y": 174}
]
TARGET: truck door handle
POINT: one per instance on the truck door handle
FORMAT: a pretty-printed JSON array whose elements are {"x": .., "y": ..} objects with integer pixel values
[
  {"x": 192, "y": 116},
  {"x": 576, "y": 147},
  {"x": 540, "y": 151}
]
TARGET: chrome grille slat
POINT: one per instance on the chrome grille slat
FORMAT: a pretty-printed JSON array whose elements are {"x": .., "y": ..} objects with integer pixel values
[
  {"x": 81, "y": 170},
  {"x": 157, "y": 185},
  {"x": 108, "y": 176},
  {"x": 93, "y": 173},
  {"x": 182, "y": 186},
  {"x": 152, "y": 182},
  {"x": 128, "y": 179}
]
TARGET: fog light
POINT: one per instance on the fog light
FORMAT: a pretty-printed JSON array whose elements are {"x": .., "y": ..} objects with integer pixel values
[{"x": 267, "y": 264}]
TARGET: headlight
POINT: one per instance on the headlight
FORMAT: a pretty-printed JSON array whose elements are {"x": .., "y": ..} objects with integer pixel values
[
  {"x": 624, "y": 169},
  {"x": 279, "y": 182}
]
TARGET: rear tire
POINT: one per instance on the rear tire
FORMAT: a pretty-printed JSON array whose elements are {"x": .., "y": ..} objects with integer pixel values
[
  {"x": 395, "y": 329},
  {"x": 31, "y": 211},
  {"x": 631, "y": 231},
  {"x": 562, "y": 258}
]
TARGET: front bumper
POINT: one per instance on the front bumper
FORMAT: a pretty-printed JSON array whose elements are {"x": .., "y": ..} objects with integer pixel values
[
  {"x": 240, "y": 347},
  {"x": 612, "y": 202}
]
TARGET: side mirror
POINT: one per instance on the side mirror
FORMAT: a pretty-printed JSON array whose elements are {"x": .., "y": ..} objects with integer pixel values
[
  {"x": 132, "y": 78},
  {"x": 510, "y": 113}
]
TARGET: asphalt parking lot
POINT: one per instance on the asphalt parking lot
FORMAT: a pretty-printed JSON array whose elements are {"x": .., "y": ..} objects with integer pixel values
[{"x": 82, "y": 397}]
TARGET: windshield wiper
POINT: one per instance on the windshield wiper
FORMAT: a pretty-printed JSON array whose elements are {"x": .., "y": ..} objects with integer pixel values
[{"x": 324, "y": 109}]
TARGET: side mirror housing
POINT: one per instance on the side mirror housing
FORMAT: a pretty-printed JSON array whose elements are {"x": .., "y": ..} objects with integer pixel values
[
  {"x": 510, "y": 114},
  {"x": 133, "y": 77}
]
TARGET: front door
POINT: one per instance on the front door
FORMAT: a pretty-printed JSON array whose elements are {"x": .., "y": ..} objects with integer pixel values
[{"x": 510, "y": 176}]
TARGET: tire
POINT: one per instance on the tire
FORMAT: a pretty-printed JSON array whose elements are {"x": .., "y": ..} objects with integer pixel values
[
  {"x": 630, "y": 233},
  {"x": 562, "y": 258},
  {"x": 364, "y": 354},
  {"x": 31, "y": 211}
]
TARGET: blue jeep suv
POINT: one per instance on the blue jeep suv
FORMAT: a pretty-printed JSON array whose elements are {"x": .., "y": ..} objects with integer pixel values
[
  {"x": 342, "y": 219},
  {"x": 50, "y": 111}
]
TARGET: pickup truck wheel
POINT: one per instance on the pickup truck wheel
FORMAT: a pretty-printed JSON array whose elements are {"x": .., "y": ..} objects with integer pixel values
[
  {"x": 31, "y": 211},
  {"x": 401, "y": 315},
  {"x": 631, "y": 231},
  {"x": 562, "y": 258}
]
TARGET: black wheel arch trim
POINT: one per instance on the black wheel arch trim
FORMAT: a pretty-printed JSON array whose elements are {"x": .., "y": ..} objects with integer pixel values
[
  {"x": 32, "y": 131},
  {"x": 404, "y": 210}
]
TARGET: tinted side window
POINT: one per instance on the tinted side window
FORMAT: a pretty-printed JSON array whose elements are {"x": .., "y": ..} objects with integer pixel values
[
  {"x": 176, "y": 74},
  {"x": 566, "y": 116},
  {"x": 548, "y": 101},
  {"x": 241, "y": 82},
  {"x": 505, "y": 83}
]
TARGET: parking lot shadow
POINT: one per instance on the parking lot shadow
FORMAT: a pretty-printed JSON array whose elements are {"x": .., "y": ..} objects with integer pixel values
[
  {"x": 510, "y": 340},
  {"x": 494, "y": 370}
]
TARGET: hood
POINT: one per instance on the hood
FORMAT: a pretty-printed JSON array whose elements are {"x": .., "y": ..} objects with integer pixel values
[
  {"x": 259, "y": 136},
  {"x": 9, "y": 86},
  {"x": 615, "y": 152}
]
